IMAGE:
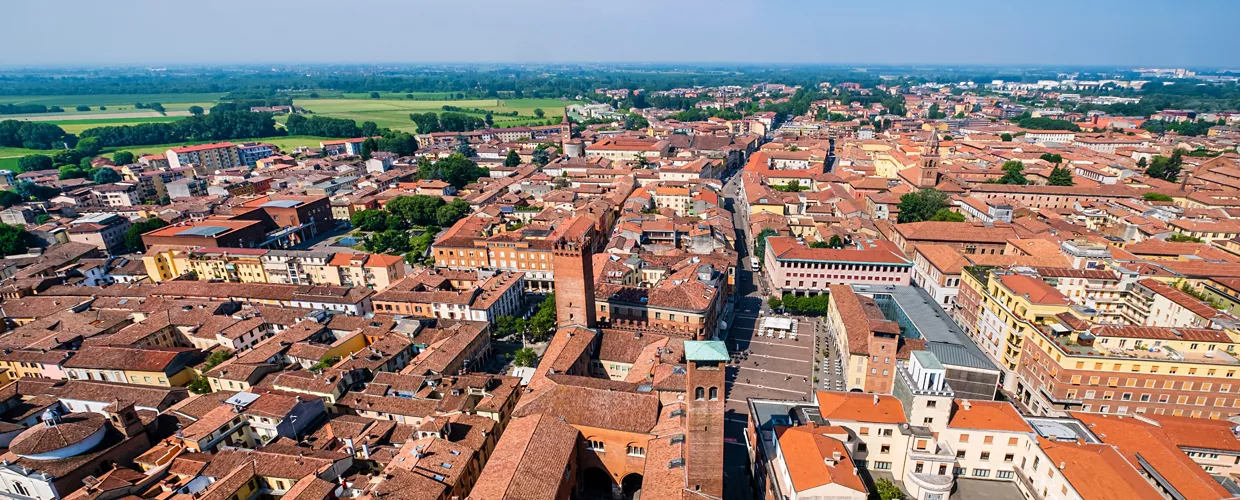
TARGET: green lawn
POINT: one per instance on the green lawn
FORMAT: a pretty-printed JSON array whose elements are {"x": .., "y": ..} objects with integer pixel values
[{"x": 394, "y": 113}]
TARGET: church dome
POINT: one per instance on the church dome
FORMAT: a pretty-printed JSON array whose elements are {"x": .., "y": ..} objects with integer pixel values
[{"x": 58, "y": 437}]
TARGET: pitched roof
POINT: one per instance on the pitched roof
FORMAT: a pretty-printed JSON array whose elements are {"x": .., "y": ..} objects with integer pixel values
[
  {"x": 992, "y": 415},
  {"x": 860, "y": 407},
  {"x": 1140, "y": 441},
  {"x": 809, "y": 457}
]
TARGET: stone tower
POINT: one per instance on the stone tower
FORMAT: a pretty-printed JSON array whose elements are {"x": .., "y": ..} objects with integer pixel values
[
  {"x": 574, "y": 273},
  {"x": 930, "y": 162}
]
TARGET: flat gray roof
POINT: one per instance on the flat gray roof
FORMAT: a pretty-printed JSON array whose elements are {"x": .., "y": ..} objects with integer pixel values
[
  {"x": 942, "y": 336},
  {"x": 281, "y": 203}
]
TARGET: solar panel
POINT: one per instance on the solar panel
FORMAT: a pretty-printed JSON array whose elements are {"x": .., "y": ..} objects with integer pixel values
[
  {"x": 207, "y": 231},
  {"x": 281, "y": 203}
]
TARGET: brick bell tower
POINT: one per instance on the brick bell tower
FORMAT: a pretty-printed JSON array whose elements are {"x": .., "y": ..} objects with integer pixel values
[
  {"x": 705, "y": 386},
  {"x": 573, "y": 268}
]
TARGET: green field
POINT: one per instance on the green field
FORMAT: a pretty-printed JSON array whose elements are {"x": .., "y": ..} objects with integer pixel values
[
  {"x": 77, "y": 126},
  {"x": 116, "y": 103},
  {"x": 10, "y": 156},
  {"x": 285, "y": 143},
  {"x": 394, "y": 113}
]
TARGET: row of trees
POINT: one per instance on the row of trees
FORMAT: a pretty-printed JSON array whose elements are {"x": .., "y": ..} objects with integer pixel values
[
  {"x": 224, "y": 125},
  {"x": 1043, "y": 123},
  {"x": 34, "y": 135},
  {"x": 17, "y": 109},
  {"x": 322, "y": 126},
  {"x": 814, "y": 305},
  {"x": 396, "y": 142},
  {"x": 430, "y": 122}
]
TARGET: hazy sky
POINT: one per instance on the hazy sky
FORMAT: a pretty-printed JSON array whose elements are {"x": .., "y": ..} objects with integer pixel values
[{"x": 1053, "y": 32}]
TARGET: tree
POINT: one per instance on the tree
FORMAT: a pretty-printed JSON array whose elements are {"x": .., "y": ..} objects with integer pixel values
[
  {"x": 922, "y": 205},
  {"x": 196, "y": 110},
  {"x": 1005, "y": 137},
  {"x": 456, "y": 170},
  {"x": 133, "y": 237},
  {"x": 513, "y": 159},
  {"x": 1052, "y": 158},
  {"x": 1043, "y": 123},
  {"x": 398, "y": 143},
  {"x": 935, "y": 114},
  {"x": 1012, "y": 173},
  {"x": 820, "y": 244},
  {"x": 447, "y": 215},
  {"x": 215, "y": 358},
  {"x": 73, "y": 172},
  {"x": 1165, "y": 168},
  {"x": 31, "y": 163},
  {"x": 775, "y": 302},
  {"x": 427, "y": 122},
  {"x": 370, "y": 220},
  {"x": 635, "y": 122},
  {"x": 31, "y": 191},
  {"x": 489, "y": 119},
  {"x": 374, "y": 95},
  {"x": 524, "y": 357},
  {"x": 463, "y": 147},
  {"x": 416, "y": 210},
  {"x": 199, "y": 385},
  {"x": 83, "y": 107},
  {"x": 1060, "y": 176},
  {"x": 389, "y": 241},
  {"x": 540, "y": 157},
  {"x": 89, "y": 147},
  {"x": 835, "y": 242},
  {"x": 543, "y": 321},
  {"x": 1183, "y": 238},
  {"x": 888, "y": 490},
  {"x": 1141, "y": 163},
  {"x": 122, "y": 158},
  {"x": 368, "y": 147},
  {"x": 369, "y": 129},
  {"x": 106, "y": 176},
  {"x": 9, "y": 198},
  {"x": 947, "y": 215},
  {"x": 1152, "y": 196},
  {"x": 759, "y": 244},
  {"x": 14, "y": 240},
  {"x": 538, "y": 112}
]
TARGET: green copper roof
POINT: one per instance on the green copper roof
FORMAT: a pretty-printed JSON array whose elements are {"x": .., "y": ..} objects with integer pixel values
[{"x": 706, "y": 350}]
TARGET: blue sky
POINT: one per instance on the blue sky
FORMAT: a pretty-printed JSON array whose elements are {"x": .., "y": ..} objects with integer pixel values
[{"x": 863, "y": 32}]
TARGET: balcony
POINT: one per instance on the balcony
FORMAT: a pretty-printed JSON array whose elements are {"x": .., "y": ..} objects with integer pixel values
[
  {"x": 933, "y": 483},
  {"x": 1027, "y": 484}
]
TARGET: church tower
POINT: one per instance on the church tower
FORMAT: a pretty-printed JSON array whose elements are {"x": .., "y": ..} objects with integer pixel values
[
  {"x": 566, "y": 128},
  {"x": 930, "y": 162}
]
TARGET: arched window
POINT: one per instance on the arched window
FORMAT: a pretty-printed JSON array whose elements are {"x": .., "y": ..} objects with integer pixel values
[
  {"x": 714, "y": 394},
  {"x": 699, "y": 393}
]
